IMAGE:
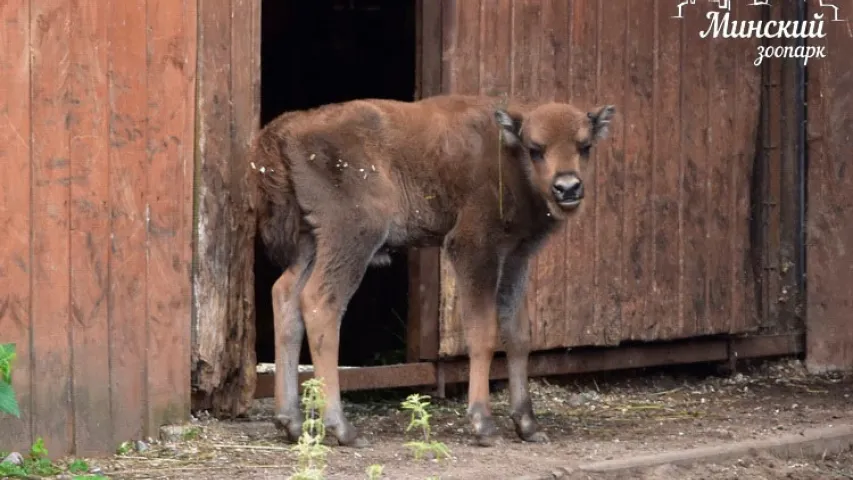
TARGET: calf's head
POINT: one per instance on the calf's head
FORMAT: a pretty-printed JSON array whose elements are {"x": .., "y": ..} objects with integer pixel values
[{"x": 553, "y": 139}]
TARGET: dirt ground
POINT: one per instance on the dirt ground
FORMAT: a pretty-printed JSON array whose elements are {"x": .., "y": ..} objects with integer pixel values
[{"x": 610, "y": 416}]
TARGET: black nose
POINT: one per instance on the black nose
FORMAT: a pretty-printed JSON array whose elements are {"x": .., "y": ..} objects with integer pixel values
[{"x": 567, "y": 187}]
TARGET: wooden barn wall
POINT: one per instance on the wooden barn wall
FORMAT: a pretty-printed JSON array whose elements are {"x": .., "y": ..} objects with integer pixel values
[
  {"x": 829, "y": 240},
  {"x": 96, "y": 158},
  {"x": 662, "y": 249},
  {"x": 223, "y": 351}
]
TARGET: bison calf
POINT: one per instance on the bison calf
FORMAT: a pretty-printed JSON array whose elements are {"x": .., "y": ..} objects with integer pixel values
[{"x": 339, "y": 184}]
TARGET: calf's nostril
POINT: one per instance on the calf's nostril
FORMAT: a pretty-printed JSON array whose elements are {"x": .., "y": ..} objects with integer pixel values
[{"x": 568, "y": 188}]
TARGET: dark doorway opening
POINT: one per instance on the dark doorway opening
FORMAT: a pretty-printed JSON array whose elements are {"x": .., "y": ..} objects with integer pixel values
[{"x": 323, "y": 51}]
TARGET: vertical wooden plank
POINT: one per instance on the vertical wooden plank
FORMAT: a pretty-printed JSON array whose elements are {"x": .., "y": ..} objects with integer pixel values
[
  {"x": 746, "y": 113},
  {"x": 245, "y": 99},
  {"x": 722, "y": 60},
  {"x": 171, "y": 104},
  {"x": 214, "y": 119},
  {"x": 524, "y": 24},
  {"x": 52, "y": 414},
  {"x": 495, "y": 37},
  {"x": 90, "y": 228},
  {"x": 772, "y": 199},
  {"x": 694, "y": 120},
  {"x": 526, "y": 40},
  {"x": 223, "y": 354},
  {"x": 128, "y": 190},
  {"x": 789, "y": 297},
  {"x": 665, "y": 303},
  {"x": 610, "y": 172},
  {"x": 460, "y": 74},
  {"x": 581, "y": 250},
  {"x": 424, "y": 269},
  {"x": 15, "y": 211},
  {"x": 462, "y": 46},
  {"x": 830, "y": 193},
  {"x": 550, "y": 319},
  {"x": 639, "y": 216}
]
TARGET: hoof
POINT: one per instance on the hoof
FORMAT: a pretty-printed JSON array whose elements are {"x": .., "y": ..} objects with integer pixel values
[
  {"x": 348, "y": 436},
  {"x": 536, "y": 437},
  {"x": 485, "y": 429},
  {"x": 485, "y": 440},
  {"x": 292, "y": 427},
  {"x": 357, "y": 442}
]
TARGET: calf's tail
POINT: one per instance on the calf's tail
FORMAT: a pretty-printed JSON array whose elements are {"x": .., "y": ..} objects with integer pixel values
[{"x": 278, "y": 215}]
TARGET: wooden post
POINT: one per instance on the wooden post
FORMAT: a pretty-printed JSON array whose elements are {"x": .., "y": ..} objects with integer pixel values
[{"x": 223, "y": 357}]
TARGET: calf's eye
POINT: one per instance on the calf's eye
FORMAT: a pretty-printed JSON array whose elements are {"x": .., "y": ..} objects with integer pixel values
[{"x": 536, "y": 152}]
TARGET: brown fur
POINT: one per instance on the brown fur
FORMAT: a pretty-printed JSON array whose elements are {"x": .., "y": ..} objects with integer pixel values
[{"x": 340, "y": 184}]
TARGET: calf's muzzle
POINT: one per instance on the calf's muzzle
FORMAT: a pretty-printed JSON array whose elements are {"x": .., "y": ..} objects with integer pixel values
[{"x": 567, "y": 189}]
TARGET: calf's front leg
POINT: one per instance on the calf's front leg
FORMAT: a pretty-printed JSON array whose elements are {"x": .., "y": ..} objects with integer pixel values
[
  {"x": 515, "y": 330},
  {"x": 476, "y": 276}
]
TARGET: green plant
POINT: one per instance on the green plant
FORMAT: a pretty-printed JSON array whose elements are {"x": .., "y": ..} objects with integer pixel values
[
  {"x": 35, "y": 464},
  {"x": 374, "y": 472},
  {"x": 124, "y": 448},
  {"x": 417, "y": 404},
  {"x": 78, "y": 467},
  {"x": 8, "y": 401},
  {"x": 310, "y": 449},
  {"x": 192, "y": 433}
]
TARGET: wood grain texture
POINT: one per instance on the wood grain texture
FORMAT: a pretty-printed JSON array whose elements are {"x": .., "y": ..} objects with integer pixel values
[
  {"x": 52, "y": 414},
  {"x": 15, "y": 210},
  {"x": 640, "y": 180},
  {"x": 549, "y": 316},
  {"x": 609, "y": 156},
  {"x": 223, "y": 353},
  {"x": 87, "y": 121},
  {"x": 666, "y": 307},
  {"x": 694, "y": 157},
  {"x": 424, "y": 263},
  {"x": 84, "y": 184},
  {"x": 722, "y": 158},
  {"x": 829, "y": 338},
  {"x": 662, "y": 246},
  {"x": 746, "y": 109},
  {"x": 525, "y": 28},
  {"x": 581, "y": 267},
  {"x": 128, "y": 161},
  {"x": 461, "y": 73},
  {"x": 169, "y": 140}
]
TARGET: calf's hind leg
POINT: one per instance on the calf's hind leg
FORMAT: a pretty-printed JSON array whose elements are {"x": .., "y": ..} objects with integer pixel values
[
  {"x": 339, "y": 267},
  {"x": 289, "y": 332},
  {"x": 515, "y": 330}
]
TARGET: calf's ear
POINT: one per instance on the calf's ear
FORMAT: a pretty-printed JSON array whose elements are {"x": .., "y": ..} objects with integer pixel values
[
  {"x": 600, "y": 119},
  {"x": 510, "y": 125}
]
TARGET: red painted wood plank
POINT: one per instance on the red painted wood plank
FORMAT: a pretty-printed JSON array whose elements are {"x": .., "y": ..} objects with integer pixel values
[
  {"x": 128, "y": 213},
  {"x": 52, "y": 414},
  {"x": 170, "y": 147},
  {"x": 90, "y": 229},
  {"x": 15, "y": 218}
]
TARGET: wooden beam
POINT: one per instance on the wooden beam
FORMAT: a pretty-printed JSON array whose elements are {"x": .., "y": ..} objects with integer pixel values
[{"x": 581, "y": 360}]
